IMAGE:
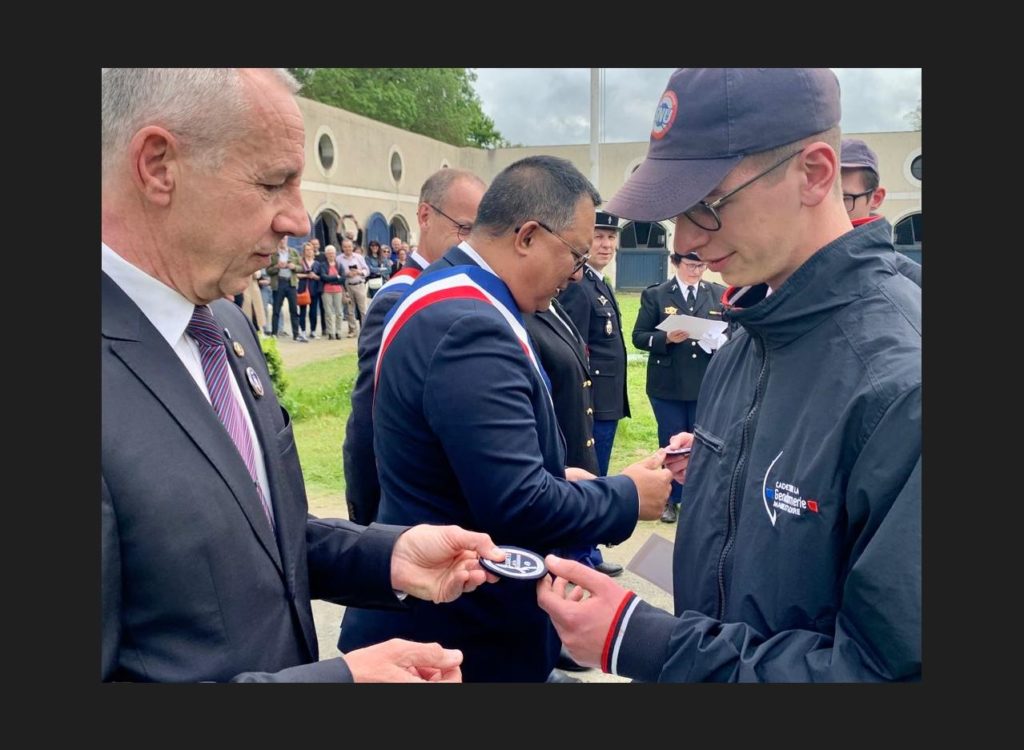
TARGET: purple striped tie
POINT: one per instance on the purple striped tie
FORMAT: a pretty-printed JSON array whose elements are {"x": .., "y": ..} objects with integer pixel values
[{"x": 204, "y": 329}]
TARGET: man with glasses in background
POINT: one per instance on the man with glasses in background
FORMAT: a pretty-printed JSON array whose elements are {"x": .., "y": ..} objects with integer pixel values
[
  {"x": 863, "y": 194},
  {"x": 465, "y": 427},
  {"x": 677, "y": 361},
  {"x": 798, "y": 548},
  {"x": 595, "y": 312},
  {"x": 460, "y": 191}
]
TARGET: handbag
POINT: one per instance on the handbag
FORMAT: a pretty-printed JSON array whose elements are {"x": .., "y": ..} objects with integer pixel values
[{"x": 304, "y": 298}]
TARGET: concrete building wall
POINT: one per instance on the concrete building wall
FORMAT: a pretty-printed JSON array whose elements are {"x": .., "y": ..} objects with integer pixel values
[{"x": 360, "y": 182}]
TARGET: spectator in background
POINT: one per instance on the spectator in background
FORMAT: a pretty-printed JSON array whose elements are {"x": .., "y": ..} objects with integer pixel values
[
  {"x": 863, "y": 195},
  {"x": 283, "y": 270},
  {"x": 354, "y": 271},
  {"x": 266, "y": 297},
  {"x": 308, "y": 284},
  {"x": 399, "y": 261},
  {"x": 332, "y": 289}
]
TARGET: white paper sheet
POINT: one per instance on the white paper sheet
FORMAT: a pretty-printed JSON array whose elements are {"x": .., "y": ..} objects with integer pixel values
[{"x": 696, "y": 327}]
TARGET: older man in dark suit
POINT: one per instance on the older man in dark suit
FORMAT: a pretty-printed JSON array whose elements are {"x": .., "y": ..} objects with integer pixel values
[{"x": 209, "y": 558}]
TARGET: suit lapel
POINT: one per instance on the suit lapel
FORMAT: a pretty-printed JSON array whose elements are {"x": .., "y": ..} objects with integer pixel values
[
  {"x": 678, "y": 293},
  {"x": 548, "y": 318},
  {"x": 606, "y": 290},
  {"x": 156, "y": 365}
]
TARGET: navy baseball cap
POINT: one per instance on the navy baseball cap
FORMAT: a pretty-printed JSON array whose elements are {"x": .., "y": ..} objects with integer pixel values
[
  {"x": 708, "y": 119},
  {"x": 856, "y": 154}
]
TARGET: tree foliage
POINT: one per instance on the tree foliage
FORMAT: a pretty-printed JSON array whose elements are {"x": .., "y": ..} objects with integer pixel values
[
  {"x": 436, "y": 102},
  {"x": 915, "y": 117}
]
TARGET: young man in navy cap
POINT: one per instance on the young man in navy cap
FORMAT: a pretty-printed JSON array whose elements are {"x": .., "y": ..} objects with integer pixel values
[
  {"x": 594, "y": 310},
  {"x": 798, "y": 550},
  {"x": 863, "y": 194},
  {"x": 677, "y": 360}
]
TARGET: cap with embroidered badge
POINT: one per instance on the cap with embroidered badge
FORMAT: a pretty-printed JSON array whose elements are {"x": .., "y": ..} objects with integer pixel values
[{"x": 709, "y": 119}]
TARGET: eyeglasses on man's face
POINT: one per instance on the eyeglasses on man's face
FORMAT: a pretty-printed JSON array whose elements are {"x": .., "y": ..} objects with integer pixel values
[
  {"x": 850, "y": 199},
  {"x": 705, "y": 215},
  {"x": 461, "y": 230},
  {"x": 695, "y": 267},
  {"x": 580, "y": 258}
]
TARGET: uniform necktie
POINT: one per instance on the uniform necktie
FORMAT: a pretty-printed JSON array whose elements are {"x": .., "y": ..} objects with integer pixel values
[
  {"x": 203, "y": 328},
  {"x": 690, "y": 297}
]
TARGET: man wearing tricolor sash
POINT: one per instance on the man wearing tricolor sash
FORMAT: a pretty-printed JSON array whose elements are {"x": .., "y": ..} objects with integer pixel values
[{"x": 464, "y": 427}]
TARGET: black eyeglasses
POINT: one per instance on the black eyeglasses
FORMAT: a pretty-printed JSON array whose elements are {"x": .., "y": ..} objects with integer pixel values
[
  {"x": 462, "y": 230},
  {"x": 705, "y": 215},
  {"x": 850, "y": 199},
  {"x": 581, "y": 258}
]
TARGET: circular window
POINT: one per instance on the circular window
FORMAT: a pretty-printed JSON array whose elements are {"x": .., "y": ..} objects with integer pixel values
[
  {"x": 396, "y": 166},
  {"x": 915, "y": 167},
  {"x": 325, "y": 151}
]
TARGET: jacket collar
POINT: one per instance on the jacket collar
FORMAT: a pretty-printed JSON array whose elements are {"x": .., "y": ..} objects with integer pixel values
[{"x": 846, "y": 269}]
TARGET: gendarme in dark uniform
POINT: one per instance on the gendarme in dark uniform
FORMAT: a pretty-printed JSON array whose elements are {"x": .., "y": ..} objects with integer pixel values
[
  {"x": 592, "y": 306},
  {"x": 675, "y": 371},
  {"x": 562, "y": 353}
]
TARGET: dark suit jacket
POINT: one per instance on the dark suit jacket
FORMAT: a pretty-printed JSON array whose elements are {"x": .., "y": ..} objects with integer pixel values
[
  {"x": 565, "y": 362},
  {"x": 674, "y": 371},
  {"x": 195, "y": 584},
  {"x": 465, "y": 433},
  {"x": 359, "y": 462},
  {"x": 607, "y": 351}
]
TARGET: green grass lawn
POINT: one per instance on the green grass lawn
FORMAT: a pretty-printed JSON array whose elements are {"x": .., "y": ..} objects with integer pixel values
[{"x": 319, "y": 400}]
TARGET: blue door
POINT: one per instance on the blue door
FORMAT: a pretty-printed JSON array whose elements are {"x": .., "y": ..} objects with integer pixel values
[
  {"x": 642, "y": 259},
  {"x": 377, "y": 229}
]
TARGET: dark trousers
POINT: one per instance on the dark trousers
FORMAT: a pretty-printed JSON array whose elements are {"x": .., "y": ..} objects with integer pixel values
[
  {"x": 604, "y": 437},
  {"x": 285, "y": 291},
  {"x": 672, "y": 417},
  {"x": 315, "y": 308}
]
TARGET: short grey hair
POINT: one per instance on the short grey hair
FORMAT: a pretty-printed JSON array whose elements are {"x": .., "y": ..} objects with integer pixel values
[
  {"x": 544, "y": 188},
  {"x": 436, "y": 188},
  {"x": 205, "y": 107}
]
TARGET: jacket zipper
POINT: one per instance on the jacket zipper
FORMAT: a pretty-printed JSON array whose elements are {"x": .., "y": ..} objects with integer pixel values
[{"x": 739, "y": 475}]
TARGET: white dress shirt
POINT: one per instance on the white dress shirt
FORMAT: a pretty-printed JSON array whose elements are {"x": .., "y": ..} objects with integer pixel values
[{"x": 170, "y": 313}]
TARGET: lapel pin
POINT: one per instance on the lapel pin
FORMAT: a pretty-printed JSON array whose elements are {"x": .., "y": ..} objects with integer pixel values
[
  {"x": 238, "y": 349},
  {"x": 254, "y": 382}
]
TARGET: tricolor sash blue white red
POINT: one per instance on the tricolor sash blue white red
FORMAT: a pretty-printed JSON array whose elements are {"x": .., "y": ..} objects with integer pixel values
[{"x": 458, "y": 282}]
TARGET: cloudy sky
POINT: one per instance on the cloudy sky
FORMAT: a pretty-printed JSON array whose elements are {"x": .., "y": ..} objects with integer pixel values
[{"x": 551, "y": 106}]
